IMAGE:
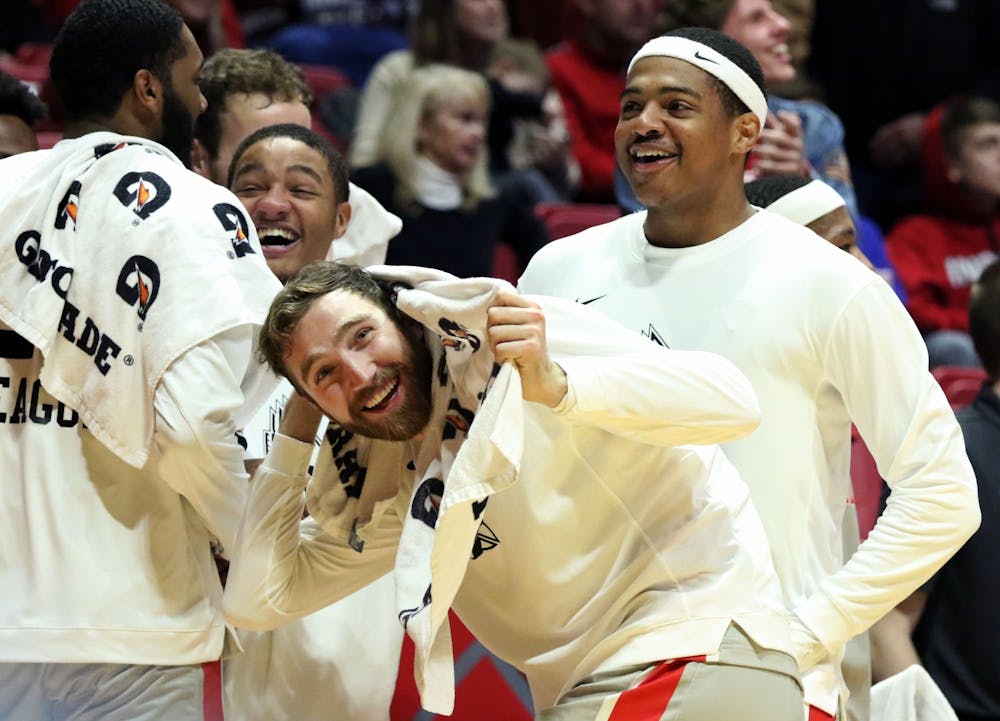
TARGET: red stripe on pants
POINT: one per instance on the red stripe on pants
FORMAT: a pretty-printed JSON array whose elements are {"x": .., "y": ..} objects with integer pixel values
[
  {"x": 648, "y": 700},
  {"x": 816, "y": 714},
  {"x": 212, "y": 691}
]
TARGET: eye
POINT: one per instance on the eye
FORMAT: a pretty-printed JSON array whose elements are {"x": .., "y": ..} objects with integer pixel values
[
  {"x": 363, "y": 336},
  {"x": 247, "y": 190},
  {"x": 678, "y": 106},
  {"x": 301, "y": 192},
  {"x": 630, "y": 108},
  {"x": 322, "y": 373}
]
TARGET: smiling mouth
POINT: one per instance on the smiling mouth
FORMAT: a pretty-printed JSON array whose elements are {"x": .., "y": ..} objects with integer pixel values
[
  {"x": 647, "y": 157},
  {"x": 276, "y": 237},
  {"x": 382, "y": 396}
]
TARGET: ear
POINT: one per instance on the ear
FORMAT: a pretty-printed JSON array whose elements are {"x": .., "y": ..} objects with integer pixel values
[
  {"x": 953, "y": 174},
  {"x": 147, "y": 92},
  {"x": 746, "y": 130},
  {"x": 199, "y": 159},
  {"x": 343, "y": 218}
]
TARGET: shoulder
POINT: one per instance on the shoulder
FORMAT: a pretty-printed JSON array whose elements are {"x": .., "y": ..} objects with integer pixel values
[
  {"x": 394, "y": 65},
  {"x": 816, "y": 117},
  {"x": 916, "y": 226},
  {"x": 559, "y": 265}
]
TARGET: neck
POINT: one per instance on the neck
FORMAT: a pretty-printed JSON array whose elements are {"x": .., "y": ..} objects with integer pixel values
[
  {"x": 119, "y": 123},
  {"x": 473, "y": 54},
  {"x": 676, "y": 227},
  {"x": 982, "y": 205}
]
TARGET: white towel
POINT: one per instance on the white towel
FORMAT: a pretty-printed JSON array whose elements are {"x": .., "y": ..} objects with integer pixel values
[
  {"x": 910, "y": 695},
  {"x": 115, "y": 260},
  {"x": 371, "y": 227},
  {"x": 471, "y": 450}
]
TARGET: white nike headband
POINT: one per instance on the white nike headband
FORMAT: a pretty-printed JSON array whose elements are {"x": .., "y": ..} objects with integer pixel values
[
  {"x": 713, "y": 63},
  {"x": 808, "y": 203}
]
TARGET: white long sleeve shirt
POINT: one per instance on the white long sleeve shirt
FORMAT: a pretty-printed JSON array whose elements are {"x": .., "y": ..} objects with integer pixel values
[
  {"x": 101, "y": 562},
  {"x": 824, "y": 342},
  {"x": 621, "y": 543}
]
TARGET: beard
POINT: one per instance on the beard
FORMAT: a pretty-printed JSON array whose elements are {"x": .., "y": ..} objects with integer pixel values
[
  {"x": 178, "y": 127},
  {"x": 414, "y": 378}
]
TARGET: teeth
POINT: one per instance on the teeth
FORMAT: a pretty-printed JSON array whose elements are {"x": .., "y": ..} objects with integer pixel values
[
  {"x": 275, "y": 236},
  {"x": 381, "y": 395},
  {"x": 649, "y": 155},
  {"x": 781, "y": 49}
]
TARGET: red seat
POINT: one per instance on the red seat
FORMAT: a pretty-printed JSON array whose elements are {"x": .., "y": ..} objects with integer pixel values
[
  {"x": 562, "y": 219},
  {"x": 866, "y": 482},
  {"x": 960, "y": 384}
]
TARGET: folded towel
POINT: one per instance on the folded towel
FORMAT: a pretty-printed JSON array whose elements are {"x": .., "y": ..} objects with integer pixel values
[{"x": 116, "y": 260}]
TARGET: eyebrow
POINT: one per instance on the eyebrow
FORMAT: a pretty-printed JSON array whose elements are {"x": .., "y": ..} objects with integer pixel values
[
  {"x": 338, "y": 337},
  {"x": 664, "y": 89},
  {"x": 248, "y": 167},
  {"x": 308, "y": 171}
]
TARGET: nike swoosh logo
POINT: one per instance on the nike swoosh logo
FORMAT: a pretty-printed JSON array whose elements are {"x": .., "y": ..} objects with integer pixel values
[
  {"x": 587, "y": 302},
  {"x": 698, "y": 55}
]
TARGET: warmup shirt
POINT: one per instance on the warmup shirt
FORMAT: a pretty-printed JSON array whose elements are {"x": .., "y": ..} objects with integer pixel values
[
  {"x": 824, "y": 342},
  {"x": 324, "y": 665},
  {"x": 102, "y": 562},
  {"x": 619, "y": 544}
]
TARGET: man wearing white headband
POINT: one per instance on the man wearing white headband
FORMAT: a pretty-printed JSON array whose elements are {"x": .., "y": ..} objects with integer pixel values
[
  {"x": 823, "y": 340},
  {"x": 811, "y": 203}
]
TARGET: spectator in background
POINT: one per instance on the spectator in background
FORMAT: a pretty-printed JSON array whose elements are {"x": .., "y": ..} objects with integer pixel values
[
  {"x": 950, "y": 625},
  {"x": 432, "y": 173},
  {"x": 349, "y": 35},
  {"x": 940, "y": 255},
  {"x": 467, "y": 34},
  {"x": 588, "y": 70},
  {"x": 538, "y": 147},
  {"x": 22, "y": 22},
  {"x": 800, "y": 137},
  {"x": 875, "y": 62},
  {"x": 811, "y": 203},
  {"x": 214, "y": 23},
  {"x": 20, "y": 110}
]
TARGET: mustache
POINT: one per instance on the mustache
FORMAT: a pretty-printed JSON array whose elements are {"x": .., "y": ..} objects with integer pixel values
[{"x": 382, "y": 376}]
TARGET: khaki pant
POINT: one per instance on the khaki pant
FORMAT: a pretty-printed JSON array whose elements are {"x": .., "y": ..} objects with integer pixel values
[
  {"x": 747, "y": 682},
  {"x": 101, "y": 692}
]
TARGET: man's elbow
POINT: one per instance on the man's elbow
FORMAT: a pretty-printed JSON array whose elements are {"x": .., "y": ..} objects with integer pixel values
[{"x": 251, "y": 616}]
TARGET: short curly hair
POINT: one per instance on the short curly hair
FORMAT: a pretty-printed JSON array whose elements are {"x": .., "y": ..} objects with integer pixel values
[
  {"x": 18, "y": 100},
  {"x": 764, "y": 191},
  {"x": 235, "y": 71},
  {"x": 736, "y": 53},
  {"x": 103, "y": 44}
]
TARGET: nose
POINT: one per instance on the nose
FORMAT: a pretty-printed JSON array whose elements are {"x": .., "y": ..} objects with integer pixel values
[
  {"x": 649, "y": 122},
  {"x": 357, "y": 370},
  {"x": 477, "y": 131},
  {"x": 272, "y": 205},
  {"x": 780, "y": 24}
]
